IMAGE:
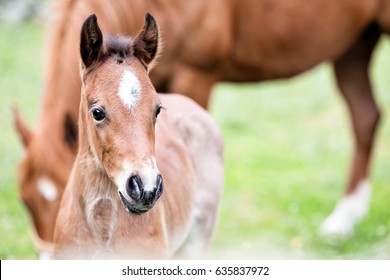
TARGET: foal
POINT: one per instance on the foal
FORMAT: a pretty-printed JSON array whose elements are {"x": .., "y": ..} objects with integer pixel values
[{"x": 143, "y": 185}]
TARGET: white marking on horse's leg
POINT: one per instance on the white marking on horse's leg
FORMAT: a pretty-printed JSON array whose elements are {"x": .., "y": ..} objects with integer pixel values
[
  {"x": 47, "y": 189},
  {"x": 350, "y": 210},
  {"x": 129, "y": 89}
]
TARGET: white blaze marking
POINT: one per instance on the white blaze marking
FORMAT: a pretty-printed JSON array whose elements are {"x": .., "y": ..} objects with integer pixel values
[
  {"x": 350, "y": 210},
  {"x": 47, "y": 189},
  {"x": 129, "y": 89}
]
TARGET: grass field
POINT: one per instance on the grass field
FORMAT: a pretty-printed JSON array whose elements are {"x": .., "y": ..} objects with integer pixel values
[{"x": 287, "y": 148}]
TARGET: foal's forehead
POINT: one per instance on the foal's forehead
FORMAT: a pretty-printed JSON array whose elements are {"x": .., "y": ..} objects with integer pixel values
[
  {"x": 126, "y": 82},
  {"x": 119, "y": 74},
  {"x": 129, "y": 89}
]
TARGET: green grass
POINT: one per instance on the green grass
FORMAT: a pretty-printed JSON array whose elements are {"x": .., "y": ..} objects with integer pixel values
[
  {"x": 287, "y": 147},
  {"x": 20, "y": 83}
]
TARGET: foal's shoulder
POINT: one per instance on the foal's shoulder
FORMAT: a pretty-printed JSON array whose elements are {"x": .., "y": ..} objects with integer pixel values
[
  {"x": 187, "y": 115},
  {"x": 184, "y": 122}
]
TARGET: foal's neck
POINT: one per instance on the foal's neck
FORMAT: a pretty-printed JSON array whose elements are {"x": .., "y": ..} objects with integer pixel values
[{"x": 98, "y": 197}]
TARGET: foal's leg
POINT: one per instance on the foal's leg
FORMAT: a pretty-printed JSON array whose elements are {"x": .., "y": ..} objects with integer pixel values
[
  {"x": 197, "y": 244},
  {"x": 353, "y": 80}
]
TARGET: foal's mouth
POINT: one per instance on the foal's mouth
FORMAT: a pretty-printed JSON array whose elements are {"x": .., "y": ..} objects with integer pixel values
[{"x": 130, "y": 208}]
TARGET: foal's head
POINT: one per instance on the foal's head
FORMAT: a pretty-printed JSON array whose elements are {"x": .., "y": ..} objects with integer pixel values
[{"x": 118, "y": 111}]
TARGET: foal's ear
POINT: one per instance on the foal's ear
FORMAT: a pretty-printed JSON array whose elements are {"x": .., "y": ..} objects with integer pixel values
[
  {"x": 24, "y": 132},
  {"x": 146, "y": 42},
  {"x": 91, "y": 41}
]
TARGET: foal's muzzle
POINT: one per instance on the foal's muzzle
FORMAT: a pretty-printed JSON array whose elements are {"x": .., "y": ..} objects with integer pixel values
[{"x": 141, "y": 199}]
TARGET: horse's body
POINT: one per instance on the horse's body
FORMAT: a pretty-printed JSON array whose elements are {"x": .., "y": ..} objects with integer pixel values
[
  {"x": 117, "y": 150},
  {"x": 210, "y": 41}
]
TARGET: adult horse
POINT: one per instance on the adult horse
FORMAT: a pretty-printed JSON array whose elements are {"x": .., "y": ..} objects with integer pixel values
[
  {"x": 206, "y": 42},
  {"x": 124, "y": 142}
]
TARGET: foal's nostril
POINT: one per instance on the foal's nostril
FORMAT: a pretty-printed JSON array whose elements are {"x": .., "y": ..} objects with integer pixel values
[
  {"x": 150, "y": 198},
  {"x": 159, "y": 186},
  {"x": 134, "y": 187}
]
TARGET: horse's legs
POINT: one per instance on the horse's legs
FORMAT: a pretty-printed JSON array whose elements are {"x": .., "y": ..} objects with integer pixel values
[
  {"x": 193, "y": 83},
  {"x": 353, "y": 80}
]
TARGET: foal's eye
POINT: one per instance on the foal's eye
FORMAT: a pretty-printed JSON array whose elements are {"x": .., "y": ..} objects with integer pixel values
[{"x": 98, "y": 114}]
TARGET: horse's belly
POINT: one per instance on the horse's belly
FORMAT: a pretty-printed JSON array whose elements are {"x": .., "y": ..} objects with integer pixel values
[
  {"x": 278, "y": 39},
  {"x": 384, "y": 16}
]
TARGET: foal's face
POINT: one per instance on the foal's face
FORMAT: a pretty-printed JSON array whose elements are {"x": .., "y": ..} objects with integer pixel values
[
  {"x": 119, "y": 108},
  {"x": 121, "y": 111}
]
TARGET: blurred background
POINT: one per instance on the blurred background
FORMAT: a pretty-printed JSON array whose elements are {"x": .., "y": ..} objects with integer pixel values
[{"x": 288, "y": 145}]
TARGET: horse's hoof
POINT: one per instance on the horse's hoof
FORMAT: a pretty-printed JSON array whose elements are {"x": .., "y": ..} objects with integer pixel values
[
  {"x": 349, "y": 211},
  {"x": 336, "y": 227}
]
